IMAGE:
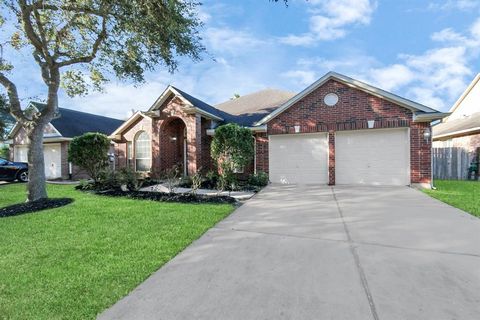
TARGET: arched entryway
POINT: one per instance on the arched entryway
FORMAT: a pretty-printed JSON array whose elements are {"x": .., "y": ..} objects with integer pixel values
[{"x": 173, "y": 149}]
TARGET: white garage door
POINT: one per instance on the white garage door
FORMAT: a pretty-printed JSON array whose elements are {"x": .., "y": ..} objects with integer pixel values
[
  {"x": 52, "y": 157},
  {"x": 53, "y": 160},
  {"x": 20, "y": 153},
  {"x": 298, "y": 158},
  {"x": 373, "y": 157}
]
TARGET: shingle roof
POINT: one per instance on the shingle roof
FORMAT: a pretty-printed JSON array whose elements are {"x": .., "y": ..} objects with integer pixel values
[
  {"x": 250, "y": 108},
  {"x": 203, "y": 105},
  {"x": 74, "y": 123},
  {"x": 450, "y": 127}
]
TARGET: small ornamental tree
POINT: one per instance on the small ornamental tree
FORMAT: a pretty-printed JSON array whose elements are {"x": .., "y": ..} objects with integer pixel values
[
  {"x": 232, "y": 147},
  {"x": 90, "y": 152}
]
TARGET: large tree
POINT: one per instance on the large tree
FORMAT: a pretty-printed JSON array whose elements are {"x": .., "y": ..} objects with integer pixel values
[{"x": 77, "y": 43}]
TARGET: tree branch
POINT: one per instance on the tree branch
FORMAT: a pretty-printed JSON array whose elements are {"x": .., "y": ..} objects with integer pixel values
[
  {"x": 30, "y": 31},
  {"x": 96, "y": 45},
  {"x": 11, "y": 88}
]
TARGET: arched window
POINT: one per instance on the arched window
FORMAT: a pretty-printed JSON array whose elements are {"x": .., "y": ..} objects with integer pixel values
[{"x": 143, "y": 152}]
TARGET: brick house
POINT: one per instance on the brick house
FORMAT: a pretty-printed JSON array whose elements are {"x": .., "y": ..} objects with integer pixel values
[
  {"x": 336, "y": 131},
  {"x": 461, "y": 129},
  {"x": 57, "y": 136}
]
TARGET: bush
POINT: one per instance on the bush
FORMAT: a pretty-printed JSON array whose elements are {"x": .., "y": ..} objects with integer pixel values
[
  {"x": 260, "y": 179},
  {"x": 90, "y": 152},
  {"x": 4, "y": 152},
  {"x": 233, "y": 148},
  {"x": 125, "y": 178}
]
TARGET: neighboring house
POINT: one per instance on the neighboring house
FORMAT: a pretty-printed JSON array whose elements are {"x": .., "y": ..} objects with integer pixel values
[
  {"x": 336, "y": 131},
  {"x": 462, "y": 128},
  {"x": 7, "y": 122},
  {"x": 57, "y": 136}
]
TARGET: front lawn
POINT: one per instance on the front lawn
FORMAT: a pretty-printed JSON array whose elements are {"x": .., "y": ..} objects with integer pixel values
[
  {"x": 464, "y": 195},
  {"x": 75, "y": 261}
]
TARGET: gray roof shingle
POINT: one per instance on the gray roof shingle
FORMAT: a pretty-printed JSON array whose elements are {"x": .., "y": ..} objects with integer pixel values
[
  {"x": 250, "y": 108},
  {"x": 74, "y": 123}
]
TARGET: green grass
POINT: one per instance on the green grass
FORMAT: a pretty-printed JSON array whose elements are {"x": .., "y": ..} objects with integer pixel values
[
  {"x": 75, "y": 261},
  {"x": 464, "y": 195}
]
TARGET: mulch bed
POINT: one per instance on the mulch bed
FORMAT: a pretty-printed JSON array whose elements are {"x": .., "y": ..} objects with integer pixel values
[
  {"x": 168, "y": 197},
  {"x": 34, "y": 206}
]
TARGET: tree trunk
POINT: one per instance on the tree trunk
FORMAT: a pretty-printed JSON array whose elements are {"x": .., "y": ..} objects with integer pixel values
[{"x": 36, "y": 188}]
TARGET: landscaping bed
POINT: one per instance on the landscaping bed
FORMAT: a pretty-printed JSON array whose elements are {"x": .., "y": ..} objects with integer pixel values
[
  {"x": 33, "y": 206},
  {"x": 168, "y": 197}
]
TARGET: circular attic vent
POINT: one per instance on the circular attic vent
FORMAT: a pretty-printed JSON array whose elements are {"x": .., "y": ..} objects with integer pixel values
[{"x": 330, "y": 99}]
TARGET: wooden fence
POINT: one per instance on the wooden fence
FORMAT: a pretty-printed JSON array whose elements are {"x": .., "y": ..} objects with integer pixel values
[{"x": 451, "y": 163}]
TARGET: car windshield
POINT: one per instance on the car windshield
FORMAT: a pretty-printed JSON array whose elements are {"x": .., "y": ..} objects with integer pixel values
[{"x": 3, "y": 162}]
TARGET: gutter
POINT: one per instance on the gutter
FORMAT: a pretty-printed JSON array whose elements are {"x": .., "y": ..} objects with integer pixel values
[
  {"x": 428, "y": 117},
  {"x": 211, "y": 132},
  {"x": 456, "y": 133}
]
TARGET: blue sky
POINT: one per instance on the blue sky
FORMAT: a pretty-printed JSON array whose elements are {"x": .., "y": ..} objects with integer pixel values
[{"x": 427, "y": 51}]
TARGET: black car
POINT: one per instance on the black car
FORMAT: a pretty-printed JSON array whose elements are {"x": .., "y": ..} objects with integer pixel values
[{"x": 10, "y": 171}]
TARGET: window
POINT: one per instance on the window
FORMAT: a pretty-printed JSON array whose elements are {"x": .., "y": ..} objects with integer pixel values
[
  {"x": 143, "y": 152},
  {"x": 129, "y": 154}
]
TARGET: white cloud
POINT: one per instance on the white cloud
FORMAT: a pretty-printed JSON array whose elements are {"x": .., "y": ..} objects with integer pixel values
[
  {"x": 304, "y": 77},
  {"x": 391, "y": 77},
  {"x": 454, "y": 4},
  {"x": 448, "y": 35},
  {"x": 330, "y": 20},
  {"x": 221, "y": 40},
  {"x": 118, "y": 99},
  {"x": 435, "y": 77}
]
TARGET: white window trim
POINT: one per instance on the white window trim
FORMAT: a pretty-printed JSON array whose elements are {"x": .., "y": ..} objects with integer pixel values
[{"x": 135, "y": 158}]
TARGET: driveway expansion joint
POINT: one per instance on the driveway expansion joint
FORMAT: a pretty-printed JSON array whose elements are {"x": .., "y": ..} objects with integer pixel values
[{"x": 356, "y": 258}]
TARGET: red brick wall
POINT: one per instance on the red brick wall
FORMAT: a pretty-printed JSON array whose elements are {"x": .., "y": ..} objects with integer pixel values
[
  {"x": 207, "y": 162},
  {"x": 261, "y": 140},
  {"x": 64, "y": 159},
  {"x": 174, "y": 109},
  {"x": 353, "y": 110},
  {"x": 331, "y": 158}
]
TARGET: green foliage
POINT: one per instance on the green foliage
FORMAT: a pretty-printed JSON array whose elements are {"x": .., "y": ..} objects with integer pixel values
[
  {"x": 260, "y": 179},
  {"x": 6, "y": 120},
  {"x": 90, "y": 152},
  {"x": 233, "y": 147},
  {"x": 123, "y": 37},
  {"x": 4, "y": 152}
]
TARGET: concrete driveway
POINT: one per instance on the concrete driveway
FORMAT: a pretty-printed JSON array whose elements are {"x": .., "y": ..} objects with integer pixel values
[{"x": 322, "y": 253}]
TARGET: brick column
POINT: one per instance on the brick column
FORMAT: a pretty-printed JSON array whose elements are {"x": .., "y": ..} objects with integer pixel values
[{"x": 331, "y": 158}]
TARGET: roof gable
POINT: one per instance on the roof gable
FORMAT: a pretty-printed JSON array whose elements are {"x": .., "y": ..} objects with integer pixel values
[
  {"x": 190, "y": 101},
  {"x": 413, "y": 106},
  {"x": 468, "y": 103},
  {"x": 72, "y": 123}
]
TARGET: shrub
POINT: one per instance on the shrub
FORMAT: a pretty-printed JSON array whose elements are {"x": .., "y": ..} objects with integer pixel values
[
  {"x": 4, "y": 152},
  {"x": 129, "y": 178},
  {"x": 260, "y": 179},
  {"x": 125, "y": 179},
  {"x": 196, "y": 182},
  {"x": 90, "y": 152},
  {"x": 233, "y": 148},
  {"x": 172, "y": 178}
]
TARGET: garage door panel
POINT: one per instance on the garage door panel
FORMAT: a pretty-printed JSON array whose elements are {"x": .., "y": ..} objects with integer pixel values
[
  {"x": 375, "y": 157},
  {"x": 298, "y": 158},
  {"x": 53, "y": 160}
]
